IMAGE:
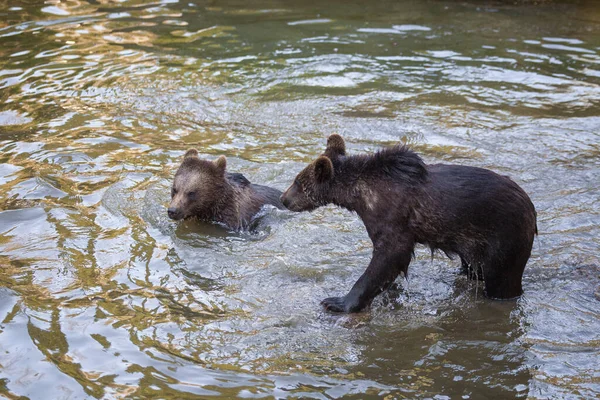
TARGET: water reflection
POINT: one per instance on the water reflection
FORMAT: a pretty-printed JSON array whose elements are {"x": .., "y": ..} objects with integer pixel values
[{"x": 102, "y": 295}]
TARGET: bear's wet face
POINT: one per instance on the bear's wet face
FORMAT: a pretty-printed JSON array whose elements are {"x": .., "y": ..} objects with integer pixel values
[
  {"x": 312, "y": 187},
  {"x": 197, "y": 187}
]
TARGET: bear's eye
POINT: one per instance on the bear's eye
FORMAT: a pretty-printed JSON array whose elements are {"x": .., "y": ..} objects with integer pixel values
[
  {"x": 191, "y": 194},
  {"x": 173, "y": 192}
]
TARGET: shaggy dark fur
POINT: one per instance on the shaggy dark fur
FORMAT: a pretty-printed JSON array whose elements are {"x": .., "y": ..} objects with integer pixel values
[
  {"x": 203, "y": 189},
  {"x": 484, "y": 218}
]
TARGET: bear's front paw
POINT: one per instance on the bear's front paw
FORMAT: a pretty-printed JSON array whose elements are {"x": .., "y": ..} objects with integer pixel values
[{"x": 340, "y": 305}]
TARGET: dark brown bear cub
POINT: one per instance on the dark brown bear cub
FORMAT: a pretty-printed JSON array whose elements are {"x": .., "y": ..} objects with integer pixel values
[
  {"x": 484, "y": 218},
  {"x": 203, "y": 189}
]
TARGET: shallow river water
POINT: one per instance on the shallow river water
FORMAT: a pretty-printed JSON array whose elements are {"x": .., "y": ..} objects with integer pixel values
[{"x": 102, "y": 296}]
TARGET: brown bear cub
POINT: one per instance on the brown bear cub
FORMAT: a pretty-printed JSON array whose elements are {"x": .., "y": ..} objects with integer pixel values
[
  {"x": 484, "y": 218},
  {"x": 203, "y": 189}
]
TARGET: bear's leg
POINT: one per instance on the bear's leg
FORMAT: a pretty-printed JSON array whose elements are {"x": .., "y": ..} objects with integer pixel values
[
  {"x": 384, "y": 268},
  {"x": 503, "y": 272}
]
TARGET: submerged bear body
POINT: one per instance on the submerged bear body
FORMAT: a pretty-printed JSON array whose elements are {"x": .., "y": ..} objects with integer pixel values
[
  {"x": 484, "y": 218},
  {"x": 204, "y": 190}
]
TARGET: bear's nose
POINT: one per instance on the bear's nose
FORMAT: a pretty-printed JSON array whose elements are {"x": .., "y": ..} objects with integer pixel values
[
  {"x": 172, "y": 212},
  {"x": 284, "y": 200}
]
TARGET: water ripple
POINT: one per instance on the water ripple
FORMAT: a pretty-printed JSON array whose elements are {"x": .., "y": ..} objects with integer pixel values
[{"x": 104, "y": 296}]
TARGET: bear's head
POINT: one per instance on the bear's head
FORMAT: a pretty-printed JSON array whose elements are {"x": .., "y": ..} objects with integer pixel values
[
  {"x": 312, "y": 187},
  {"x": 198, "y": 187}
]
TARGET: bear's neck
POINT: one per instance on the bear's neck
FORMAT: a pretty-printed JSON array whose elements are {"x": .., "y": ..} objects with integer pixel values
[
  {"x": 366, "y": 200},
  {"x": 352, "y": 192},
  {"x": 371, "y": 197}
]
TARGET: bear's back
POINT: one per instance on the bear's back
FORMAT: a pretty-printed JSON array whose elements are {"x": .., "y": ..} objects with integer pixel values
[
  {"x": 261, "y": 194},
  {"x": 479, "y": 196},
  {"x": 269, "y": 195}
]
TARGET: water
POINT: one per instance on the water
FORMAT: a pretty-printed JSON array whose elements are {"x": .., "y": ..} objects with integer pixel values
[{"x": 101, "y": 295}]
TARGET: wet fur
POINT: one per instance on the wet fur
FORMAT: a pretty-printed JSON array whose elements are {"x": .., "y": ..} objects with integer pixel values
[
  {"x": 484, "y": 218},
  {"x": 217, "y": 196}
]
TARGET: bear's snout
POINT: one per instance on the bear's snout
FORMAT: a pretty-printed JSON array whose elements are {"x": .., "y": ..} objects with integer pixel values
[
  {"x": 284, "y": 200},
  {"x": 174, "y": 213},
  {"x": 288, "y": 201},
  {"x": 295, "y": 200}
]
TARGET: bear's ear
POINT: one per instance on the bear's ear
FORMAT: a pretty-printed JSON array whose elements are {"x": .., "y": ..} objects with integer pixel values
[
  {"x": 335, "y": 146},
  {"x": 191, "y": 153},
  {"x": 221, "y": 163},
  {"x": 323, "y": 169}
]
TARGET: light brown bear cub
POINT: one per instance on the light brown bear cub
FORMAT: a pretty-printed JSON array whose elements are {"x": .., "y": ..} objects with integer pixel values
[{"x": 203, "y": 189}]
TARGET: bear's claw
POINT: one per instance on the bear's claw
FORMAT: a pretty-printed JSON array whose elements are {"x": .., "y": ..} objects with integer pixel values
[
  {"x": 346, "y": 304},
  {"x": 335, "y": 304}
]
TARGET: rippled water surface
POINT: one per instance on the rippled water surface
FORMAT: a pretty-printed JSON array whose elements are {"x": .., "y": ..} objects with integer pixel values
[{"x": 102, "y": 296}]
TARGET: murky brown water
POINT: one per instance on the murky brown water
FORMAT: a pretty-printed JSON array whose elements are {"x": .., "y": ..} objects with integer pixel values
[{"x": 101, "y": 295}]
